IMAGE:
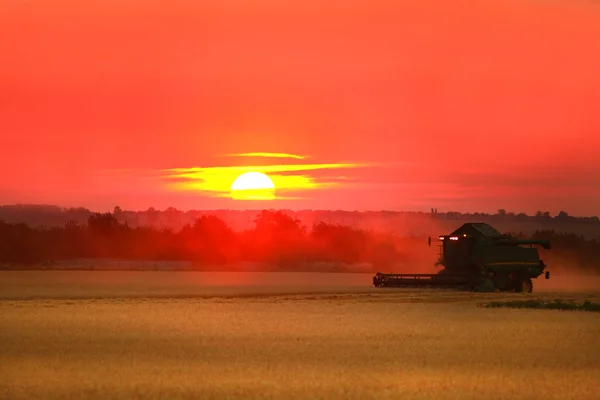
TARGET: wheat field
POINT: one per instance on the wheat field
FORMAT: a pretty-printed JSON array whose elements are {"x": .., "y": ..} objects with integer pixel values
[{"x": 93, "y": 335}]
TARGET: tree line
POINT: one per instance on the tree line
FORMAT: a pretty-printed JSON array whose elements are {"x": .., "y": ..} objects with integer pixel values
[
  {"x": 276, "y": 238},
  {"x": 40, "y": 215}
]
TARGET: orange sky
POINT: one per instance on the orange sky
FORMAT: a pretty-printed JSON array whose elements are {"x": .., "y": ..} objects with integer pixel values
[{"x": 463, "y": 105}]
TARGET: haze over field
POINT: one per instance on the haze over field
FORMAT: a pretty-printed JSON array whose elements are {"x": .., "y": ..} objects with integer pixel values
[
  {"x": 81, "y": 285},
  {"x": 275, "y": 241}
]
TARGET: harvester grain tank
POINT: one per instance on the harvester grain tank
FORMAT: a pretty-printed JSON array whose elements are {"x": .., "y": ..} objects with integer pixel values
[{"x": 478, "y": 257}]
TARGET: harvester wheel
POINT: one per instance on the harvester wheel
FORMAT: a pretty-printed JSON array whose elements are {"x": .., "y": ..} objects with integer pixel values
[
  {"x": 524, "y": 285},
  {"x": 475, "y": 283}
]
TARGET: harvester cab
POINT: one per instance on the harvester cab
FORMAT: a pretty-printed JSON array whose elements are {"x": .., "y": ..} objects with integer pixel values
[{"x": 478, "y": 257}]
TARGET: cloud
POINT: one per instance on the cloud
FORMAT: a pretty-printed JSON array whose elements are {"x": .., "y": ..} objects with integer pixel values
[
  {"x": 289, "y": 179},
  {"x": 269, "y": 155}
]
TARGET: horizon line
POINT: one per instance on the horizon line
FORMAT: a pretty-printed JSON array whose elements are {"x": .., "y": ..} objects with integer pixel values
[{"x": 66, "y": 208}]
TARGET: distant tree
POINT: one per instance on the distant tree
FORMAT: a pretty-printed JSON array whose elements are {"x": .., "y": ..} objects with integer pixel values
[
  {"x": 210, "y": 240},
  {"x": 339, "y": 243},
  {"x": 521, "y": 217},
  {"x": 103, "y": 223},
  {"x": 276, "y": 237},
  {"x": 173, "y": 217},
  {"x": 277, "y": 222},
  {"x": 152, "y": 216}
]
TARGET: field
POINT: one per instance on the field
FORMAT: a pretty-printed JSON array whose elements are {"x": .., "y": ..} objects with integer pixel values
[{"x": 179, "y": 335}]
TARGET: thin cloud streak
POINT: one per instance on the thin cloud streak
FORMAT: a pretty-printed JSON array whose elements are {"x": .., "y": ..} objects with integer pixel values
[
  {"x": 269, "y": 155},
  {"x": 264, "y": 168},
  {"x": 216, "y": 181}
]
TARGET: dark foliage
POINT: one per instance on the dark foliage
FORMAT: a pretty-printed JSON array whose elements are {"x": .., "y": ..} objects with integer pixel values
[
  {"x": 276, "y": 238},
  {"x": 40, "y": 215}
]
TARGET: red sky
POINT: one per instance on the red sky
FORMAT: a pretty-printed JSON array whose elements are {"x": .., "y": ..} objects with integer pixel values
[{"x": 468, "y": 106}]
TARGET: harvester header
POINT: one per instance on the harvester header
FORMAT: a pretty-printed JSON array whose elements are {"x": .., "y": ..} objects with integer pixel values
[{"x": 479, "y": 257}]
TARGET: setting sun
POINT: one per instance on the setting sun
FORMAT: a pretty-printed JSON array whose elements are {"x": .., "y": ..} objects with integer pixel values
[{"x": 253, "y": 186}]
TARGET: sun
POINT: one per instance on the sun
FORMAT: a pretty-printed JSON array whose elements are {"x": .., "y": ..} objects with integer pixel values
[{"x": 253, "y": 186}]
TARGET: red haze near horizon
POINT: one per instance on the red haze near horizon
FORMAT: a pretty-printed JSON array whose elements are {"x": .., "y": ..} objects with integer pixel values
[{"x": 466, "y": 106}]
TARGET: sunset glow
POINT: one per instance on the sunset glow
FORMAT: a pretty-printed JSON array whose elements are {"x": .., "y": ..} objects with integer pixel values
[
  {"x": 292, "y": 181},
  {"x": 286, "y": 198},
  {"x": 462, "y": 106}
]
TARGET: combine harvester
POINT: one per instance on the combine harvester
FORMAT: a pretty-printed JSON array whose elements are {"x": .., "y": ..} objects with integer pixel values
[{"x": 478, "y": 257}]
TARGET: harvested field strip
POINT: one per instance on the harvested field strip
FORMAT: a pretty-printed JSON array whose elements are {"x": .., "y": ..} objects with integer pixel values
[{"x": 556, "y": 304}]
